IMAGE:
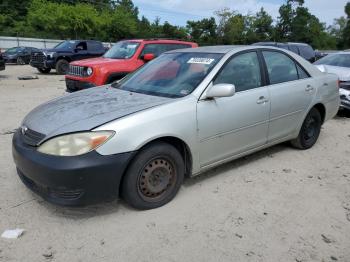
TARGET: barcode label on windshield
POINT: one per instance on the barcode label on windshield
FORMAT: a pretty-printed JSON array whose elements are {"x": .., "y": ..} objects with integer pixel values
[{"x": 200, "y": 60}]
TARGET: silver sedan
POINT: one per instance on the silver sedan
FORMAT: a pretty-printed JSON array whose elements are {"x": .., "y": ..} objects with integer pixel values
[{"x": 181, "y": 114}]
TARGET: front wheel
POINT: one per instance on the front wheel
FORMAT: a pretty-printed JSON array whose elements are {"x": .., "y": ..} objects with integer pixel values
[
  {"x": 62, "y": 67},
  {"x": 310, "y": 130},
  {"x": 154, "y": 176}
]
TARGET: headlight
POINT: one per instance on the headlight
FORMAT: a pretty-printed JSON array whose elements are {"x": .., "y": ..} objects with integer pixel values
[
  {"x": 89, "y": 71},
  {"x": 49, "y": 54},
  {"x": 75, "y": 144}
]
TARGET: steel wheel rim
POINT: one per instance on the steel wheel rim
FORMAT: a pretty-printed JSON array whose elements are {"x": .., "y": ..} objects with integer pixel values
[{"x": 156, "y": 179}]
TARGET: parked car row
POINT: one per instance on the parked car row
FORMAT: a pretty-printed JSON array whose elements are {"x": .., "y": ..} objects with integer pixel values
[{"x": 122, "y": 59}]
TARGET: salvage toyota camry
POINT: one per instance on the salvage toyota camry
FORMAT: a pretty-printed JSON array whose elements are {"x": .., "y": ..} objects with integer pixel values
[{"x": 185, "y": 112}]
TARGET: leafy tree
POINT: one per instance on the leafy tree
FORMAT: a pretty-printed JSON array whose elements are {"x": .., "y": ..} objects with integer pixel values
[
  {"x": 203, "y": 31},
  {"x": 346, "y": 32}
]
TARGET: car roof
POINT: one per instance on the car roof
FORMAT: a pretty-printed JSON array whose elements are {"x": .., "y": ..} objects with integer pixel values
[{"x": 220, "y": 49}]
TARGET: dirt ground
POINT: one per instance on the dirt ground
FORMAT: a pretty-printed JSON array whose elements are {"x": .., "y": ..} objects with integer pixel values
[{"x": 280, "y": 204}]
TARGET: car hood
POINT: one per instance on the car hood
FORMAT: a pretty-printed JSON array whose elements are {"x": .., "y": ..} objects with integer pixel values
[
  {"x": 98, "y": 61},
  {"x": 342, "y": 72},
  {"x": 85, "y": 110}
]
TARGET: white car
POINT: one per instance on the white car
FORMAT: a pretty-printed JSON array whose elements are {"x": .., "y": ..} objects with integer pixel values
[
  {"x": 183, "y": 113},
  {"x": 339, "y": 64}
]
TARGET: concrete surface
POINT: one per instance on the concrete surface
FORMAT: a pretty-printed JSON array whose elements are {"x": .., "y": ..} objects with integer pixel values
[{"x": 280, "y": 204}]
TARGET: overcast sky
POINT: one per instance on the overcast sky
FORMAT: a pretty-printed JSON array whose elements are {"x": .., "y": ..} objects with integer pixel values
[{"x": 179, "y": 11}]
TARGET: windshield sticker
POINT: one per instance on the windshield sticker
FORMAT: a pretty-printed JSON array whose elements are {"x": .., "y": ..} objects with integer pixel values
[{"x": 200, "y": 60}]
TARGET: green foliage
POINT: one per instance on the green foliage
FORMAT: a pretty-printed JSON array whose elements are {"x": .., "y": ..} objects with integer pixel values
[{"x": 112, "y": 20}]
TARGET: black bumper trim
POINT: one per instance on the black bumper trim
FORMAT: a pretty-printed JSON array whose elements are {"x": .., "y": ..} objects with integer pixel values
[
  {"x": 76, "y": 85},
  {"x": 72, "y": 181}
]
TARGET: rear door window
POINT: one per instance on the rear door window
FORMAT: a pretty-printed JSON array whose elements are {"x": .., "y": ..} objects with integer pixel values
[
  {"x": 302, "y": 73},
  {"x": 95, "y": 46},
  {"x": 280, "y": 67},
  {"x": 307, "y": 52},
  {"x": 294, "y": 49}
]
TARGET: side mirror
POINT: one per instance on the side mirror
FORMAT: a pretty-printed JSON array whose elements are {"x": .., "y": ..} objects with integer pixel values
[
  {"x": 221, "y": 90},
  {"x": 148, "y": 57}
]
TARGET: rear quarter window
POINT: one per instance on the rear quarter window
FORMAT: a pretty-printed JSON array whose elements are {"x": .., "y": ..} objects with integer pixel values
[{"x": 307, "y": 52}]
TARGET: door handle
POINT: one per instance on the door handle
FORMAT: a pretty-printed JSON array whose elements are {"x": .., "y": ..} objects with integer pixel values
[
  {"x": 262, "y": 100},
  {"x": 309, "y": 88}
]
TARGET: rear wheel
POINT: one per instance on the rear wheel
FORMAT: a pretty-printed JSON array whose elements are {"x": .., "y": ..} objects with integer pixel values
[
  {"x": 154, "y": 177},
  {"x": 44, "y": 70},
  {"x": 309, "y": 131},
  {"x": 62, "y": 67}
]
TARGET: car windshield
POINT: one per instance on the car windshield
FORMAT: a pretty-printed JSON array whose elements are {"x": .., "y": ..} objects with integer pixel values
[
  {"x": 14, "y": 50},
  {"x": 342, "y": 60},
  {"x": 170, "y": 75},
  {"x": 122, "y": 50},
  {"x": 65, "y": 45}
]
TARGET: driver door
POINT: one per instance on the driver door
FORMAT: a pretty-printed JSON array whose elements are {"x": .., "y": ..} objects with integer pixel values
[{"x": 229, "y": 126}]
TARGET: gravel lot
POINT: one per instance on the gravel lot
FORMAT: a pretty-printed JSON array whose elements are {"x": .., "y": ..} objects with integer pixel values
[{"x": 280, "y": 204}]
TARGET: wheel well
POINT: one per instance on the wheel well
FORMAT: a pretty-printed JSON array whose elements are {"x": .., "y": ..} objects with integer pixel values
[
  {"x": 322, "y": 110},
  {"x": 182, "y": 147},
  {"x": 63, "y": 58}
]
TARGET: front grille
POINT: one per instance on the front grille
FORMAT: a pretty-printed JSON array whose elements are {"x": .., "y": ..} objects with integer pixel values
[
  {"x": 32, "y": 137},
  {"x": 76, "y": 70},
  {"x": 38, "y": 57}
]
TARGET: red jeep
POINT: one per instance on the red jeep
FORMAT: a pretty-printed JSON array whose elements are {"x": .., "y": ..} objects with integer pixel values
[{"x": 124, "y": 57}]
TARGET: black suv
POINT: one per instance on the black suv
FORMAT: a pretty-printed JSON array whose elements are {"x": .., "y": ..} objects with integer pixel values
[
  {"x": 65, "y": 52},
  {"x": 304, "y": 50},
  {"x": 2, "y": 62}
]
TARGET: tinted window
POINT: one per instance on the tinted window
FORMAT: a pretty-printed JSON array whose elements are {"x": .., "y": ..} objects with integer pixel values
[
  {"x": 302, "y": 73},
  {"x": 95, "y": 46},
  {"x": 81, "y": 46},
  {"x": 158, "y": 49},
  {"x": 283, "y": 46},
  {"x": 307, "y": 52},
  {"x": 243, "y": 71},
  {"x": 280, "y": 67},
  {"x": 342, "y": 60},
  {"x": 294, "y": 49}
]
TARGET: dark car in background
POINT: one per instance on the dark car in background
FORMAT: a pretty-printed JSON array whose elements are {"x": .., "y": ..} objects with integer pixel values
[
  {"x": 61, "y": 55},
  {"x": 2, "y": 62},
  {"x": 19, "y": 55},
  {"x": 304, "y": 50}
]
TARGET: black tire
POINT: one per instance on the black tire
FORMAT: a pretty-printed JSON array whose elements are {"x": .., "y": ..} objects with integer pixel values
[
  {"x": 310, "y": 130},
  {"x": 62, "y": 67},
  {"x": 154, "y": 176},
  {"x": 44, "y": 70},
  {"x": 20, "y": 61}
]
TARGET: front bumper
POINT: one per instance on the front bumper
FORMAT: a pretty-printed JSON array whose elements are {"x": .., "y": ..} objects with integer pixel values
[
  {"x": 78, "y": 180},
  {"x": 43, "y": 64},
  {"x": 76, "y": 85}
]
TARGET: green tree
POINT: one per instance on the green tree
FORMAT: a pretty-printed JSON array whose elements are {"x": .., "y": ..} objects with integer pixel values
[
  {"x": 346, "y": 32},
  {"x": 204, "y": 31}
]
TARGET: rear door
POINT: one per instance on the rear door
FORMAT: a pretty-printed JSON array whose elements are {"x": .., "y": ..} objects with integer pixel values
[{"x": 291, "y": 92}]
